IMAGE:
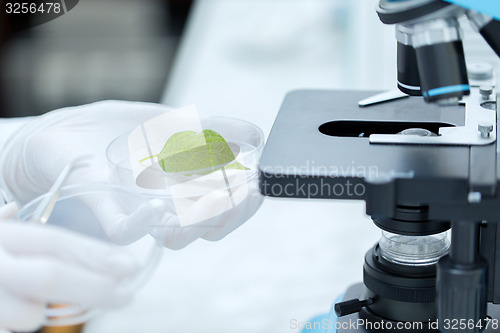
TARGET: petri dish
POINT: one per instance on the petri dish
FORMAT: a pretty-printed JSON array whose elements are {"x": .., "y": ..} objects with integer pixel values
[
  {"x": 73, "y": 211},
  {"x": 221, "y": 199}
]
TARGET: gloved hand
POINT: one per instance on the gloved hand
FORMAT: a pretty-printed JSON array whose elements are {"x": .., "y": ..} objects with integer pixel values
[
  {"x": 42, "y": 263},
  {"x": 33, "y": 159}
]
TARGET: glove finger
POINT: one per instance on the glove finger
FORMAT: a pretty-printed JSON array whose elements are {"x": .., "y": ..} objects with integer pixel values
[
  {"x": 19, "y": 314},
  {"x": 199, "y": 214},
  {"x": 214, "y": 215},
  {"x": 122, "y": 225},
  {"x": 50, "y": 241},
  {"x": 171, "y": 235},
  {"x": 49, "y": 280},
  {"x": 8, "y": 210},
  {"x": 230, "y": 220}
]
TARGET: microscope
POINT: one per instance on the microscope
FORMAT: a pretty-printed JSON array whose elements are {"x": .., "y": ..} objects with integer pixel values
[{"x": 425, "y": 159}]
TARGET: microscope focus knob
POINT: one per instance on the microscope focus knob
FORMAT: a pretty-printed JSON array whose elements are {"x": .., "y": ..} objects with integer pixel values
[
  {"x": 351, "y": 306},
  {"x": 485, "y": 91},
  {"x": 485, "y": 128}
]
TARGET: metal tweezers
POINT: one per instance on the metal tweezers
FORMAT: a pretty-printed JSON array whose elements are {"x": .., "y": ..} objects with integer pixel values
[{"x": 46, "y": 206}]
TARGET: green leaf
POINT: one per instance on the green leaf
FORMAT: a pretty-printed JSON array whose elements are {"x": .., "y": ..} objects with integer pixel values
[{"x": 189, "y": 151}]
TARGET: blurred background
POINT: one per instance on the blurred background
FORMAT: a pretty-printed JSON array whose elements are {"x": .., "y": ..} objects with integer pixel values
[{"x": 101, "y": 49}]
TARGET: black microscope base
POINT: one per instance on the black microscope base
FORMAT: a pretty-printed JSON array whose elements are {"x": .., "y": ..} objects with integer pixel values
[{"x": 348, "y": 324}]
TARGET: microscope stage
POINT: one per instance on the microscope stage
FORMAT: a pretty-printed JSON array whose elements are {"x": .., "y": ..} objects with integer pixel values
[
  {"x": 297, "y": 152},
  {"x": 319, "y": 147}
]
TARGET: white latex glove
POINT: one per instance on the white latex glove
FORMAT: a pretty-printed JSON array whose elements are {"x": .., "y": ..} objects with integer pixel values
[
  {"x": 42, "y": 263},
  {"x": 33, "y": 158},
  {"x": 212, "y": 225}
]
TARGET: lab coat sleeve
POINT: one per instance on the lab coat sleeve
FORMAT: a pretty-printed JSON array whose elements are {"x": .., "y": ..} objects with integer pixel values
[{"x": 9, "y": 126}]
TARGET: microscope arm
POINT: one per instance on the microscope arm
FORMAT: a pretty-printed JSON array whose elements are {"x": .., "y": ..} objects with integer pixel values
[
  {"x": 490, "y": 8},
  {"x": 485, "y": 17},
  {"x": 489, "y": 28}
]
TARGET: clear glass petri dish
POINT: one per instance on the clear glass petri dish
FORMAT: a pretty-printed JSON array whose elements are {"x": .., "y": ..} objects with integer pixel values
[
  {"x": 184, "y": 192},
  {"x": 74, "y": 211}
]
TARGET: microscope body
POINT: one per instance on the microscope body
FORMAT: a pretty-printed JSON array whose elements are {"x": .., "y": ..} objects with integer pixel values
[
  {"x": 323, "y": 145},
  {"x": 423, "y": 166}
]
